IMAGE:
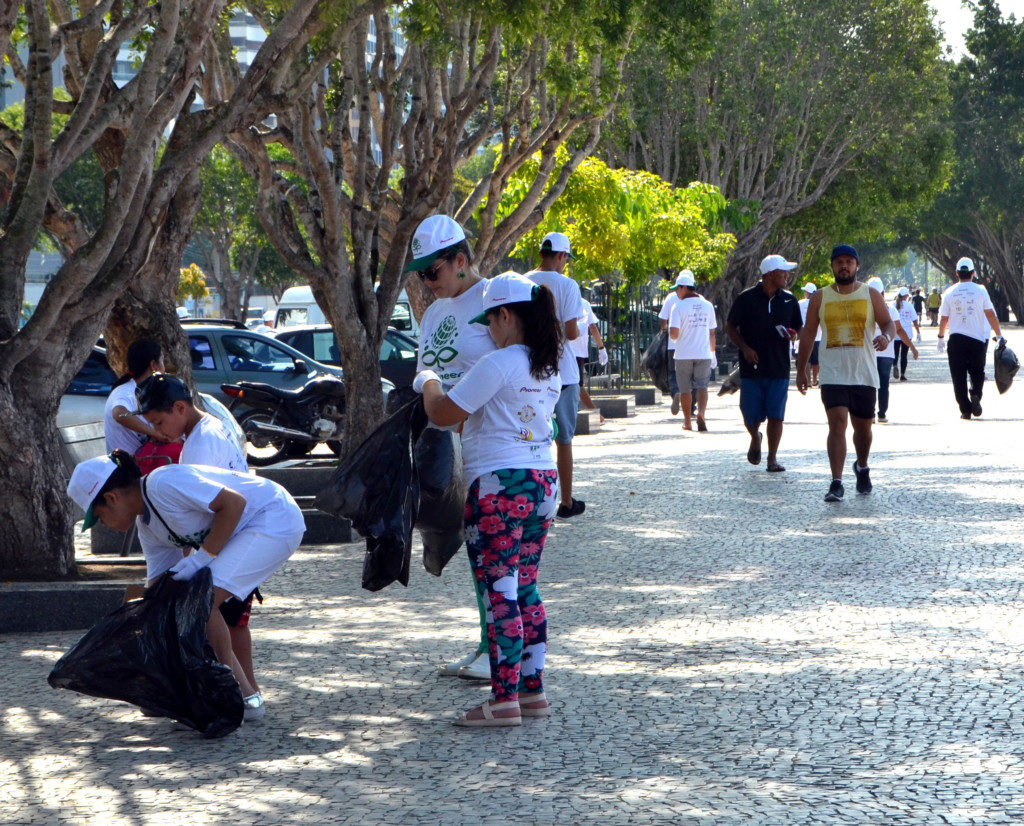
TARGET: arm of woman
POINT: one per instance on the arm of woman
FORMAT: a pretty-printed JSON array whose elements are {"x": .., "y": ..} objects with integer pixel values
[
  {"x": 123, "y": 416},
  {"x": 227, "y": 507},
  {"x": 441, "y": 410}
]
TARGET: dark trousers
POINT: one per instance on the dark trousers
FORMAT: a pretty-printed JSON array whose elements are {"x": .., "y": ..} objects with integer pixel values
[
  {"x": 966, "y": 358},
  {"x": 884, "y": 374},
  {"x": 901, "y": 351}
]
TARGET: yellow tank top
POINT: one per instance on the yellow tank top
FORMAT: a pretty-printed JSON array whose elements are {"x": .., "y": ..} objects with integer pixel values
[{"x": 846, "y": 354}]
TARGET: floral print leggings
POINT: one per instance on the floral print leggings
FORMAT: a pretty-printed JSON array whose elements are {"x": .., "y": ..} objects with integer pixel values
[{"x": 508, "y": 513}]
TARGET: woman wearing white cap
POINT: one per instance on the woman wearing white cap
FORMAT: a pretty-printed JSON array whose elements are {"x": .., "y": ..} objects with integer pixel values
[
  {"x": 907, "y": 317},
  {"x": 887, "y": 357},
  {"x": 810, "y": 288},
  {"x": 450, "y": 345},
  {"x": 242, "y": 527},
  {"x": 506, "y": 401}
]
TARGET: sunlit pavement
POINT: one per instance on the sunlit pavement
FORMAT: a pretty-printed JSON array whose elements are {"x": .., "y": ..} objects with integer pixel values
[{"x": 725, "y": 648}]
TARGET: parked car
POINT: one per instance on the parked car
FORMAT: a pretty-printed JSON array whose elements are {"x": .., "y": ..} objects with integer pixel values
[
  {"x": 397, "y": 352},
  {"x": 86, "y": 396}
]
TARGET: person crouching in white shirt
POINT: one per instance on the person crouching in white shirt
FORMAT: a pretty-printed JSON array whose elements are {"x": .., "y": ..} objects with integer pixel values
[{"x": 242, "y": 527}]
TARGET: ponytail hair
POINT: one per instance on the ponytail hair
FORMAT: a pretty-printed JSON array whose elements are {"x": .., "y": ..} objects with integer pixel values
[
  {"x": 542, "y": 331},
  {"x": 125, "y": 475}
]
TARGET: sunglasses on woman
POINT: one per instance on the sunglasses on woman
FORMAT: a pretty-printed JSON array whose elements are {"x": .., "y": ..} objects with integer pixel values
[{"x": 431, "y": 273}]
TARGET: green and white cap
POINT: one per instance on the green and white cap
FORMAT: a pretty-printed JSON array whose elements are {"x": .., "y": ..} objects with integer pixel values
[
  {"x": 86, "y": 480},
  {"x": 508, "y": 288},
  {"x": 436, "y": 233}
]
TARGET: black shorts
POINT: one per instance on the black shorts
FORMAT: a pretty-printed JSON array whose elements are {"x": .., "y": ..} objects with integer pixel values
[
  {"x": 858, "y": 399},
  {"x": 236, "y": 611}
]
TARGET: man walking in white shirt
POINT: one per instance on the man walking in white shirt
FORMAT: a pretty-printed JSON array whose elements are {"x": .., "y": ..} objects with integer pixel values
[
  {"x": 663, "y": 319},
  {"x": 968, "y": 312},
  {"x": 555, "y": 253},
  {"x": 692, "y": 328}
]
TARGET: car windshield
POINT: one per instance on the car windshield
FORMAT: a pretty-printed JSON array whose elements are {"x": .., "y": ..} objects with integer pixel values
[
  {"x": 396, "y": 348},
  {"x": 401, "y": 317},
  {"x": 253, "y": 354},
  {"x": 291, "y": 316},
  {"x": 95, "y": 378}
]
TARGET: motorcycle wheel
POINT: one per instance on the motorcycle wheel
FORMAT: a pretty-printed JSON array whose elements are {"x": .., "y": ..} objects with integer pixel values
[{"x": 261, "y": 451}]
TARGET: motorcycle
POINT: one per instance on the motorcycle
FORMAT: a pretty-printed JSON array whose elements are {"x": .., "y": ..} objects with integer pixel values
[{"x": 282, "y": 424}]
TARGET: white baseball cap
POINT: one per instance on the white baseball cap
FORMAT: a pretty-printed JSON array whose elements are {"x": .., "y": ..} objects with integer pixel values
[
  {"x": 507, "y": 288},
  {"x": 771, "y": 263},
  {"x": 809, "y": 288},
  {"x": 436, "y": 233},
  {"x": 876, "y": 284},
  {"x": 904, "y": 291},
  {"x": 556, "y": 242},
  {"x": 685, "y": 279},
  {"x": 86, "y": 480},
  {"x": 965, "y": 264}
]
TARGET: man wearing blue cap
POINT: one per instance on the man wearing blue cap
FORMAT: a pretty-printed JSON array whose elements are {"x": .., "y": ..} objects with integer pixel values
[{"x": 847, "y": 312}]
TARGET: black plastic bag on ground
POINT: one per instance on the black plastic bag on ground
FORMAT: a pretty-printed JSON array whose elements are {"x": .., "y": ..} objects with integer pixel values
[
  {"x": 377, "y": 488},
  {"x": 438, "y": 462},
  {"x": 1006, "y": 366},
  {"x": 153, "y": 652},
  {"x": 656, "y": 362}
]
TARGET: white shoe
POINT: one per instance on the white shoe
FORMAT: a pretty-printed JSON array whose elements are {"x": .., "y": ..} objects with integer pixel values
[
  {"x": 254, "y": 708},
  {"x": 452, "y": 669},
  {"x": 479, "y": 669}
]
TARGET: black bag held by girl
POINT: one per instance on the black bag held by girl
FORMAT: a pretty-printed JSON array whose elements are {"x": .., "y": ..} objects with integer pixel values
[{"x": 153, "y": 652}]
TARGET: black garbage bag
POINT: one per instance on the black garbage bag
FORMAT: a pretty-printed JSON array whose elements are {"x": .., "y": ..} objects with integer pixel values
[
  {"x": 153, "y": 652},
  {"x": 655, "y": 361},
  {"x": 377, "y": 488},
  {"x": 731, "y": 383},
  {"x": 438, "y": 462},
  {"x": 1006, "y": 366}
]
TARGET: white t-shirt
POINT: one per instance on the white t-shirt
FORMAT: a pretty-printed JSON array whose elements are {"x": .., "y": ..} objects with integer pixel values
[
  {"x": 182, "y": 495},
  {"x": 117, "y": 435},
  {"x": 210, "y": 444},
  {"x": 449, "y": 344},
  {"x": 890, "y": 351},
  {"x": 906, "y": 315},
  {"x": 965, "y": 304},
  {"x": 666, "y": 314},
  {"x": 510, "y": 421},
  {"x": 581, "y": 345},
  {"x": 803, "y": 302},
  {"x": 568, "y": 306},
  {"x": 694, "y": 317}
]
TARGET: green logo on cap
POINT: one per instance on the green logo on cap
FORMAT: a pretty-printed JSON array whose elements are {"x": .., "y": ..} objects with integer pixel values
[{"x": 416, "y": 246}]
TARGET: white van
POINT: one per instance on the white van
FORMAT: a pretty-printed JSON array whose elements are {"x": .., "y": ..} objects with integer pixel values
[{"x": 298, "y": 307}]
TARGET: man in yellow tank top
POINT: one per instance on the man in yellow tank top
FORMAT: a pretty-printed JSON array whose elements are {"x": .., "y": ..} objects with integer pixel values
[{"x": 848, "y": 374}]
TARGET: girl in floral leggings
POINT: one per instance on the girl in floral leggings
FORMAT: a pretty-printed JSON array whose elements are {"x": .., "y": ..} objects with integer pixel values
[{"x": 506, "y": 401}]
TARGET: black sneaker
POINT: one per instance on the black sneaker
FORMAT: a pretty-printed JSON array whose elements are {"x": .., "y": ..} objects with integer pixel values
[
  {"x": 863, "y": 478},
  {"x": 575, "y": 509},
  {"x": 835, "y": 492},
  {"x": 976, "y": 406}
]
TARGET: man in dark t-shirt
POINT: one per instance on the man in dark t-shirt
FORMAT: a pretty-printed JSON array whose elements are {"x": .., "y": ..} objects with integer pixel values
[{"x": 762, "y": 323}]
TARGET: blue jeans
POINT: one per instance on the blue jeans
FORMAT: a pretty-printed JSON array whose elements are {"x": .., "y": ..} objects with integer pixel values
[{"x": 884, "y": 374}]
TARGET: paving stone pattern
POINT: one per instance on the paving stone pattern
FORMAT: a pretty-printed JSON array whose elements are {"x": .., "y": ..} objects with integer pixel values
[{"x": 725, "y": 648}]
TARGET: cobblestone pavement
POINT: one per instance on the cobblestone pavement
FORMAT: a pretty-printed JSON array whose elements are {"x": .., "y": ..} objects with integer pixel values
[{"x": 725, "y": 648}]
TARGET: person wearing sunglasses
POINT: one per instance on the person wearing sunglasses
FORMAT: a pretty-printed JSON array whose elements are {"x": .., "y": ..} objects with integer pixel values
[
  {"x": 506, "y": 403},
  {"x": 449, "y": 345}
]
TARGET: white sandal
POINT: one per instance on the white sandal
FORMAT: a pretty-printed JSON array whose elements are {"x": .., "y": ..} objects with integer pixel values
[
  {"x": 529, "y": 699},
  {"x": 488, "y": 719}
]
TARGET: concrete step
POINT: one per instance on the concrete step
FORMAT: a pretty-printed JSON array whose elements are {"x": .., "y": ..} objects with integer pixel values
[
  {"x": 616, "y": 407},
  {"x": 57, "y": 606},
  {"x": 588, "y": 422},
  {"x": 301, "y": 477}
]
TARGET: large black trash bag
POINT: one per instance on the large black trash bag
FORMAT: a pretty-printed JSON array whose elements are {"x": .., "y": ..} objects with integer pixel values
[
  {"x": 655, "y": 361},
  {"x": 1006, "y": 366},
  {"x": 153, "y": 652},
  {"x": 438, "y": 461},
  {"x": 377, "y": 488}
]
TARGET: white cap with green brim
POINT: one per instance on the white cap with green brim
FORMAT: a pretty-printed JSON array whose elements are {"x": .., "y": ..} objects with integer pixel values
[
  {"x": 507, "y": 288},
  {"x": 436, "y": 233},
  {"x": 87, "y": 479}
]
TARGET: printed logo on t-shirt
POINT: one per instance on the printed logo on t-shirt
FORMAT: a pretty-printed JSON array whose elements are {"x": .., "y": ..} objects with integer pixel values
[
  {"x": 439, "y": 351},
  {"x": 189, "y": 540},
  {"x": 527, "y": 414},
  {"x": 845, "y": 323}
]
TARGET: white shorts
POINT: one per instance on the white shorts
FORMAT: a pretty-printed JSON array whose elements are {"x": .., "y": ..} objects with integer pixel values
[{"x": 249, "y": 558}]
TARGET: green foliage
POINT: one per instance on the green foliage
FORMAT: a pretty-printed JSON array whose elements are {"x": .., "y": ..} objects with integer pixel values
[{"x": 628, "y": 222}]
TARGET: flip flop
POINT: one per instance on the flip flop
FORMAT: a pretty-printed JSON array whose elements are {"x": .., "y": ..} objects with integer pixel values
[
  {"x": 774, "y": 467},
  {"x": 488, "y": 719},
  {"x": 754, "y": 453}
]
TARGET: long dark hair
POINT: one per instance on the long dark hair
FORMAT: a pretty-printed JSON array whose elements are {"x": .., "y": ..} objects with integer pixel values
[
  {"x": 140, "y": 355},
  {"x": 125, "y": 475},
  {"x": 542, "y": 331}
]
